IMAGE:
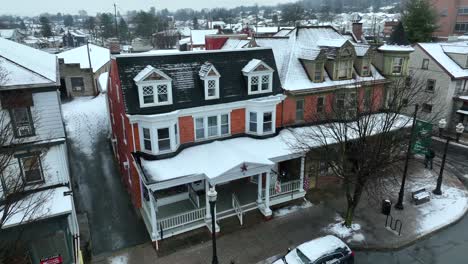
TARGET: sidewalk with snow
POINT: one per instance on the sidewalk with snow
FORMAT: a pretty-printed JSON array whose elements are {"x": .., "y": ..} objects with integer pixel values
[{"x": 296, "y": 224}]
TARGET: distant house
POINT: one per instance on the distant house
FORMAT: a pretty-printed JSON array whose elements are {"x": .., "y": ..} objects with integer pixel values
[
  {"x": 141, "y": 45},
  {"x": 37, "y": 173},
  {"x": 197, "y": 38},
  {"x": 11, "y": 34},
  {"x": 443, "y": 67},
  {"x": 74, "y": 38},
  {"x": 77, "y": 77}
]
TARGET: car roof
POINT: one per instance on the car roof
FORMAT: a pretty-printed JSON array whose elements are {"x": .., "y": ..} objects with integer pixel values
[{"x": 321, "y": 246}]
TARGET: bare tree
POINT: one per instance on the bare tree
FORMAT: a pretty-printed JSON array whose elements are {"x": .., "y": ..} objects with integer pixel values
[
  {"x": 363, "y": 136},
  {"x": 19, "y": 201}
]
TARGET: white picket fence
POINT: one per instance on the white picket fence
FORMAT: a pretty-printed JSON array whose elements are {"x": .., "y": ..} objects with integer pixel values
[{"x": 182, "y": 219}]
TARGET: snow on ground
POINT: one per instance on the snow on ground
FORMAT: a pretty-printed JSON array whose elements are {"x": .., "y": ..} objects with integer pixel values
[
  {"x": 85, "y": 119},
  {"x": 290, "y": 209},
  {"x": 122, "y": 259},
  {"x": 448, "y": 207},
  {"x": 340, "y": 230}
]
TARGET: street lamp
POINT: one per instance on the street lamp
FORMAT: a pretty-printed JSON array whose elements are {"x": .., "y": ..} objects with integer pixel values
[
  {"x": 442, "y": 126},
  {"x": 212, "y": 195},
  {"x": 459, "y": 129}
]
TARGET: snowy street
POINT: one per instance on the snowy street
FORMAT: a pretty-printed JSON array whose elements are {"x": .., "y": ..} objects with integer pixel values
[{"x": 99, "y": 193}]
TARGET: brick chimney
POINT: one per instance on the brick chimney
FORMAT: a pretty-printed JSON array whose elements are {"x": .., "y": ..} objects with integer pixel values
[{"x": 357, "y": 30}]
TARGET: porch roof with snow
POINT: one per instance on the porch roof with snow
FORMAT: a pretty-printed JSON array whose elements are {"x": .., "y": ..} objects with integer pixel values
[{"x": 55, "y": 203}]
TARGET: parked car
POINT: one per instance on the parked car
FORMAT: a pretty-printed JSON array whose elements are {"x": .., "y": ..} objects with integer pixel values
[{"x": 323, "y": 250}]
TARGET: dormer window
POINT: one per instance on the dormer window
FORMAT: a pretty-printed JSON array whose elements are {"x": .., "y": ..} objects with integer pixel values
[
  {"x": 397, "y": 65},
  {"x": 318, "y": 73},
  {"x": 344, "y": 69},
  {"x": 210, "y": 76},
  {"x": 365, "y": 71},
  {"x": 259, "y": 77},
  {"x": 154, "y": 87}
]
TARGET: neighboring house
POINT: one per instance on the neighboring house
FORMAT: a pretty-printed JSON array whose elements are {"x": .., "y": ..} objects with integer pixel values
[
  {"x": 30, "y": 101},
  {"x": 185, "y": 121},
  {"x": 318, "y": 66},
  {"x": 443, "y": 67},
  {"x": 226, "y": 41},
  {"x": 197, "y": 38},
  {"x": 74, "y": 38},
  {"x": 11, "y": 34},
  {"x": 78, "y": 78},
  {"x": 265, "y": 31},
  {"x": 452, "y": 17}
]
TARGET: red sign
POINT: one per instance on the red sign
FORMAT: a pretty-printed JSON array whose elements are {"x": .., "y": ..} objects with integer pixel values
[{"x": 52, "y": 260}]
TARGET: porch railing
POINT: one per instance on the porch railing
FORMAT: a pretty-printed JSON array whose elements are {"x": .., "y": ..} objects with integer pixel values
[
  {"x": 286, "y": 187},
  {"x": 237, "y": 208},
  {"x": 193, "y": 196},
  {"x": 182, "y": 219}
]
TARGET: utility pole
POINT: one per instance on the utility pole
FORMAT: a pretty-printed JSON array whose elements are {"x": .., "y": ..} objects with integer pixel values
[
  {"x": 91, "y": 68},
  {"x": 399, "y": 204},
  {"x": 116, "y": 25}
]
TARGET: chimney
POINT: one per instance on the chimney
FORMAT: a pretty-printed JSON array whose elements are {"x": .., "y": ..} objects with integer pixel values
[{"x": 357, "y": 30}]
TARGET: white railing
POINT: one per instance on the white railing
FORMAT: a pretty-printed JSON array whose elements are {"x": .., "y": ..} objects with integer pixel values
[
  {"x": 181, "y": 219},
  {"x": 193, "y": 196},
  {"x": 286, "y": 187},
  {"x": 237, "y": 208}
]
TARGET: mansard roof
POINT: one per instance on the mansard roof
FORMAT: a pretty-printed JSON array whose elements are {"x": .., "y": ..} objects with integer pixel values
[{"x": 184, "y": 68}]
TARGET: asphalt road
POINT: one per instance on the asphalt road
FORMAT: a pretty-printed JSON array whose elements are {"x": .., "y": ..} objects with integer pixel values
[
  {"x": 449, "y": 246},
  {"x": 100, "y": 194}
]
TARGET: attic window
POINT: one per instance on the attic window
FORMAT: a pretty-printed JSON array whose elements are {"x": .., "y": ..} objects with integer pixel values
[
  {"x": 154, "y": 87},
  {"x": 210, "y": 76},
  {"x": 259, "y": 77}
]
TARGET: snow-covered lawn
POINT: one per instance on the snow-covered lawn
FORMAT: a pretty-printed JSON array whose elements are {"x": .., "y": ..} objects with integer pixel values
[
  {"x": 85, "y": 119},
  {"x": 290, "y": 209},
  {"x": 340, "y": 230}
]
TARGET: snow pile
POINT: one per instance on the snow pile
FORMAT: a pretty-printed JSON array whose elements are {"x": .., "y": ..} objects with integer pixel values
[
  {"x": 85, "y": 119},
  {"x": 122, "y": 259},
  {"x": 291, "y": 209},
  {"x": 340, "y": 230},
  {"x": 443, "y": 209}
]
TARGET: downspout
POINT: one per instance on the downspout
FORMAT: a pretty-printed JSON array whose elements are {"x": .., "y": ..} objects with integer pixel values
[{"x": 133, "y": 136}]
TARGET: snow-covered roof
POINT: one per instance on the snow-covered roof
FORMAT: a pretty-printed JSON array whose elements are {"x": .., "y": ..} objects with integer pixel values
[
  {"x": 253, "y": 64},
  {"x": 184, "y": 41},
  {"x": 266, "y": 30},
  {"x": 26, "y": 65},
  {"x": 436, "y": 51},
  {"x": 206, "y": 68},
  {"x": 103, "y": 78},
  {"x": 216, "y": 158},
  {"x": 198, "y": 36},
  {"x": 461, "y": 48},
  {"x": 235, "y": 43},
  {"x": 386, "y": 47},
  {"x": 300, "y": 45},
  {"x": 283, "y": 32},
  {"x": 99, "y": 56},
  {"x": 361, "y": 50},
  {"x": 7, "y": 33},
  {"x": 54, "y": 204}
]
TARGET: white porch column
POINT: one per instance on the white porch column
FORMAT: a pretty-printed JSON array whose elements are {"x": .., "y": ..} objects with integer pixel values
[
  {"x": 207, "y": 202},
  {"x": 154, "y": 223},
  {"x": 259, "y": 183},
  {"x": 301, "y": 183},
  {"x": 267, "y": 195}
]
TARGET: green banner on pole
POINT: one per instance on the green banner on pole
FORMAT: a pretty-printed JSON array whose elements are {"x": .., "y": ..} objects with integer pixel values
[{"x": 421, "y": 137}]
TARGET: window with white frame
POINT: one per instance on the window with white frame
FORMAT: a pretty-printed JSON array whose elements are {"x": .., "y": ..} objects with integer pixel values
[
  {"x": 164, "y": 140},
  {"x": 147, "y": 139},
  {"x": 176, "y": 133},
  {"x": 253, "y": 122},
  {"x": 318, "y": 72},
  {"x": 154, "y": 87},
  {"x": 397, "y": 65},
  {"x": 425, "y": 64},
  {"x": 260, "y": 77},
  {"x": 212, "y": 88},
  {"x": 31, "y": 169},
  {"x": 265, "y": 82},
  {"x": 211, "y": 126},
  {"x": 199, "y": 128},
  {"x": 344, "y": 69},
  {"x": 267, "y": 122}
]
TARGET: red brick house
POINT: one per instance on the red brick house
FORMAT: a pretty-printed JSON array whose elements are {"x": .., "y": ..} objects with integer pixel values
[{"x": 184, "y": 122}]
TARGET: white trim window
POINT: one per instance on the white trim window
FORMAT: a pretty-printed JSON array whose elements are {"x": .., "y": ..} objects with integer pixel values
[
  {"x": 147, "y": 139},
  {"x": 212, "y": 126},
  {"x": 267, "y": 122},
  {"x": 31, "y": 169},
  {"x": 259, "y": 77},
  {"x": 397, "y": 65},
  {"x": 260, "y": 121},
  {"x": 253, "y": 122},
  {"x": 164, "y": 139},
  {"x": 210, "y": 76},
  {"x": 154, "y": 87}
]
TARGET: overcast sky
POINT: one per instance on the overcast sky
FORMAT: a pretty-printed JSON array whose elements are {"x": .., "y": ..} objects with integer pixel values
[{"x": 35, "y": 7}]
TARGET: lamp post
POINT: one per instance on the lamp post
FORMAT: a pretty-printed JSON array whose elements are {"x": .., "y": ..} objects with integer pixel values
[
  {"x": 212, "y": 195},
  {"x": 459, "y": 129}
]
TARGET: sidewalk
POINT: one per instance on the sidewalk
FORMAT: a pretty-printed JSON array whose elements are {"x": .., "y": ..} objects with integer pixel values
[{"x": 259, "y": 240}]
